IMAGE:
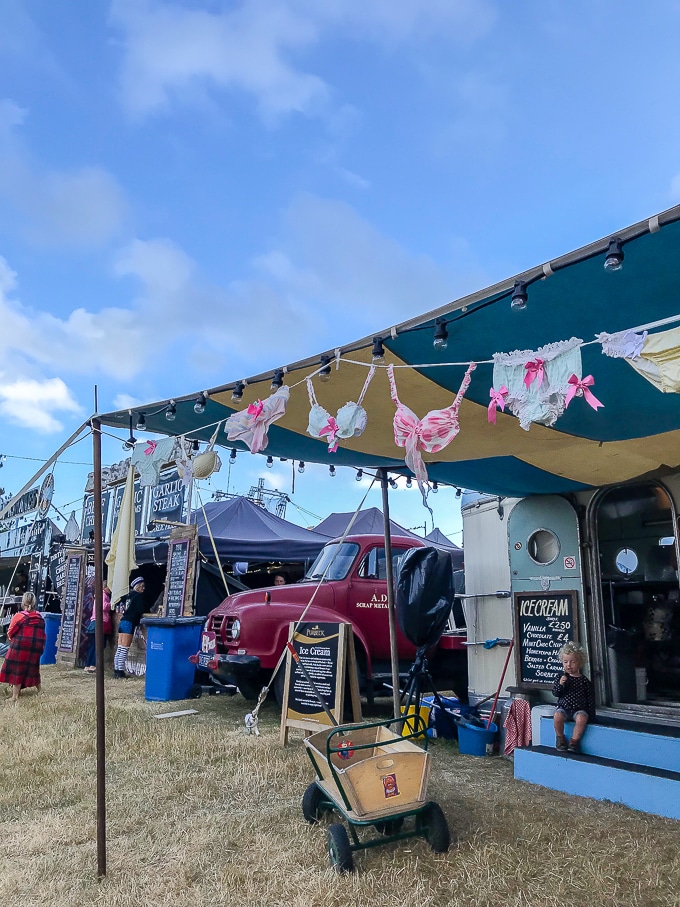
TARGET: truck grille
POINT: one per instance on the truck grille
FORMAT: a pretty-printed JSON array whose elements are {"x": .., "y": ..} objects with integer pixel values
[
  {"x": 216, "y": 623},
  {"x": 221, "y": 625}
]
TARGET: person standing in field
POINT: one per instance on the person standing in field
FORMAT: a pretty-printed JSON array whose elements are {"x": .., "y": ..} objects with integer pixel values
[
  {"x": 128, "y": 624},
  {"x": 26, "y": 634}
]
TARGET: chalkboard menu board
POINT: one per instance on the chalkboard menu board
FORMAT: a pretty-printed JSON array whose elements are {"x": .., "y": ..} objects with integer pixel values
[
  {"x": 71, "y": 605},
  {"x": 544, "y": 621},
  {"x": 57, "y": 568},
  {"x": 317, "y": 646},
  {"x": 326, "y": 650},
  {"x": 176, "y": 578}
]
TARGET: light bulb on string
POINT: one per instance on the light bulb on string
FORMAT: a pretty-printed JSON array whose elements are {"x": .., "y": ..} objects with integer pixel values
[
  {"x": 270, "y": 462},
  {"x": 195, "y": 445},
  {"x": 441, "y": 335},
  {"x": 237, "y": 392},
  {"x": 393, "y": 483},
  {"x": 131, "y": 441},
  {"x": 459, "y": 492},
  {"x": 360, "y": 475},
  {"x": 331, "y": 471},
  {"x": 277, "y": 380},
  {"x": 199, "y": 405},
  {"x": 141, "y": 422},
  {"x": 435, "y": 488},
  {"x": 518, "y": 301},
  {"x": 232, "y": 456},
  {"x": 171, "y": 411},
  {"x": 301, "y": 466},
  {"x": 378, "y": 352},
  {"x": 325, "y": 373},
  {"x": 614, "y": 259},
  {"x": 409, "y": 482}
]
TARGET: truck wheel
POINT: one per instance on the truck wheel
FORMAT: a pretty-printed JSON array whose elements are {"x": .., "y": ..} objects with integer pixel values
[
  {"x": 311, "y": 804},
  {"x": 195, "y": 691},
  {"x": 437, "y": 832},
  {"x": 339, "y": 849}
]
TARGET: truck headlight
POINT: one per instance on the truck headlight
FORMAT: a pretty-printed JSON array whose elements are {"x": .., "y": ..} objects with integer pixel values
[{"x": 235, "y": 629}]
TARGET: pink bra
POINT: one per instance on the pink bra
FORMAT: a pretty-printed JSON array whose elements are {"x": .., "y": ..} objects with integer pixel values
[{"x": 432, "y": 433}]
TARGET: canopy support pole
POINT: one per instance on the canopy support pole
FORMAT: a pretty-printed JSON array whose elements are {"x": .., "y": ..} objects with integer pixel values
[
  {"x": 391, "y": 610},
  {"x": 99, "y": 643}
]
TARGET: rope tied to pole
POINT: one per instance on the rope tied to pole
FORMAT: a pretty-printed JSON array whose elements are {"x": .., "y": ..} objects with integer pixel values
[{"x": 251, "y": 718}]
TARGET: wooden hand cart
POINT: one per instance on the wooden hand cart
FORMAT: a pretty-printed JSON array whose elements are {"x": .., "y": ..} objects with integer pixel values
[{"x": 373, "y": 776}]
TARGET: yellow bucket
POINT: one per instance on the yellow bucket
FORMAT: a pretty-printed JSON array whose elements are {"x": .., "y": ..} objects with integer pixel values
[{"x": 410, "y": 726}]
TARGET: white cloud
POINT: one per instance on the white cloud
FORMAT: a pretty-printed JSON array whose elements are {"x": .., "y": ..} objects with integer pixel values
[
  {"x": 178, "y": 51},
  {"x": 675, "y": 188},
  {"x": 11, "y": 115},
  {"x": 173, "y": 51},
  {"x": 127, "y": 401},
  {"x": 32, "y": 404},
  {"x": 82, "y": 207},
  {"x": 330, "y": 278}
]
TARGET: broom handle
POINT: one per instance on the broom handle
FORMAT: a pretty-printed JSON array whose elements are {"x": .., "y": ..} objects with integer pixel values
[{"x": 500, "y": 684}]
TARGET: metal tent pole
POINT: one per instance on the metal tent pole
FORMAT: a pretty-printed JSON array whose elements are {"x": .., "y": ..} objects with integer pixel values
[
  {"x": 99, "y": 642},
  {"x": 391, "y": 611}
]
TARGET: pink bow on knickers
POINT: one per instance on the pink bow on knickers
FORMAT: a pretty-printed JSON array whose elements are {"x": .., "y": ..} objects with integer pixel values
[
  {"x": 151, "y": 448},
  {"x": 582, "y": 389},
  {"x": 330, "y": 429},
  {"x": 251, "y": 424},
  {"x": 497, "y": 402},
  {"x": 534, "y": 372}
]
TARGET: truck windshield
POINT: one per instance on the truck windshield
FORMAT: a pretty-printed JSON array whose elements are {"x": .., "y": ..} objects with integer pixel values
[{"x": 339, "y": 556}]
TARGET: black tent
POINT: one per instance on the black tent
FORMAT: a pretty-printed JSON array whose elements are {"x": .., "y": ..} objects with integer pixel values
[
  {"x": 439, "y": 540},
  {"x": 243, "y": 531},
  {"x": 368, "y": 522}
]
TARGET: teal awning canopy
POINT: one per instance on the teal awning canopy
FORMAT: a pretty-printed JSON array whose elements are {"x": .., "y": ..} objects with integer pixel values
[{"x": 636, "y": 432}]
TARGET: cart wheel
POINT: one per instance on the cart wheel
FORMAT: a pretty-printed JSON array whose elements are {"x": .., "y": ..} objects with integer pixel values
[
  {"x": 311, "y": 804},
  {"x": 195, "y": 691},
  {"x": 437, "y": 832},
  {"x": 339, "y": 849},
  {"x": 390, "y": 826}
]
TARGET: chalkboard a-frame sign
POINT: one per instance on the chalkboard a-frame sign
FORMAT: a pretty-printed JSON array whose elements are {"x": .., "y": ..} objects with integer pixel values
[
  {"x": 179, "y": 580},
  {"x": 69, "y": 634},
  {"x": 544, "y": 621},
  {"x": 328, "y": 654}
]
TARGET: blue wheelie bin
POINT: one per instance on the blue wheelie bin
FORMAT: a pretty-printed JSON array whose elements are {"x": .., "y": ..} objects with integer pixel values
[
  {"x": 52, "y": 624},
  {"x": 169, "y": 643}
]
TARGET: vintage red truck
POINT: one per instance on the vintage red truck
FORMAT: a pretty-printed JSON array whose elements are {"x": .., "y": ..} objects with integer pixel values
[{"x": 245, "y": 635}]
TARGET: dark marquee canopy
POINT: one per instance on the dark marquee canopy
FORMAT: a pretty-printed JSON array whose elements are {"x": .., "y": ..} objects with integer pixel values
[{"x": 635, "y": 433}]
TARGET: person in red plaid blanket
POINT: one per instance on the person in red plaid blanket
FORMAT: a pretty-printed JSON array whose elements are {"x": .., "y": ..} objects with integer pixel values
[{"x": 26, "y": 634}]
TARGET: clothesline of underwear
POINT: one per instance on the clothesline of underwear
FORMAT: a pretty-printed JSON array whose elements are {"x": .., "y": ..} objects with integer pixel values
[{"x": 536, "y": 386}]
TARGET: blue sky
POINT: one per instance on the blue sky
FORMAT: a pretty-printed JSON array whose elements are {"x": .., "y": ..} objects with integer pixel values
[{"x": 199, "y": 190}]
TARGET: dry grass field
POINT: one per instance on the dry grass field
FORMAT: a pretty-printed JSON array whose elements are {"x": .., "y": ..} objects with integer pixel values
[{"x": 200, "y": 814}]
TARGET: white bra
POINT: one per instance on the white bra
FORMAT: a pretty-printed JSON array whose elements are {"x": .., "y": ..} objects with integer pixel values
[{"x": 349, "y": 422}]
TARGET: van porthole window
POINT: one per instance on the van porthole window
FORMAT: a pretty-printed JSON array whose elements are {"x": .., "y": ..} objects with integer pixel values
[
  {"x": 626, "y": 561},
  {"x": 543, "y": 546}
]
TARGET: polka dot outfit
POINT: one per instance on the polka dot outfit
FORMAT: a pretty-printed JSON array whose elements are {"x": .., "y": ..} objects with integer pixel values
[{"x": 576, "y": 695}]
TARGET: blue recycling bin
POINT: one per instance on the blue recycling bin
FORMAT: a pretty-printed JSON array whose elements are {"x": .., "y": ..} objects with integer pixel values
[
  {"x": 169, "y": 643},
  {"x": 52, "y": 624}
]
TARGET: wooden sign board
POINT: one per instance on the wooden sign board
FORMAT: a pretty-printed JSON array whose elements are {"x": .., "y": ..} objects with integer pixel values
[
  {"x": 72, "y": 609},
  {"x": 327, "y": 652},
  {"x": 544, "y": 621},
  {"x": 178, "y": 596}
]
